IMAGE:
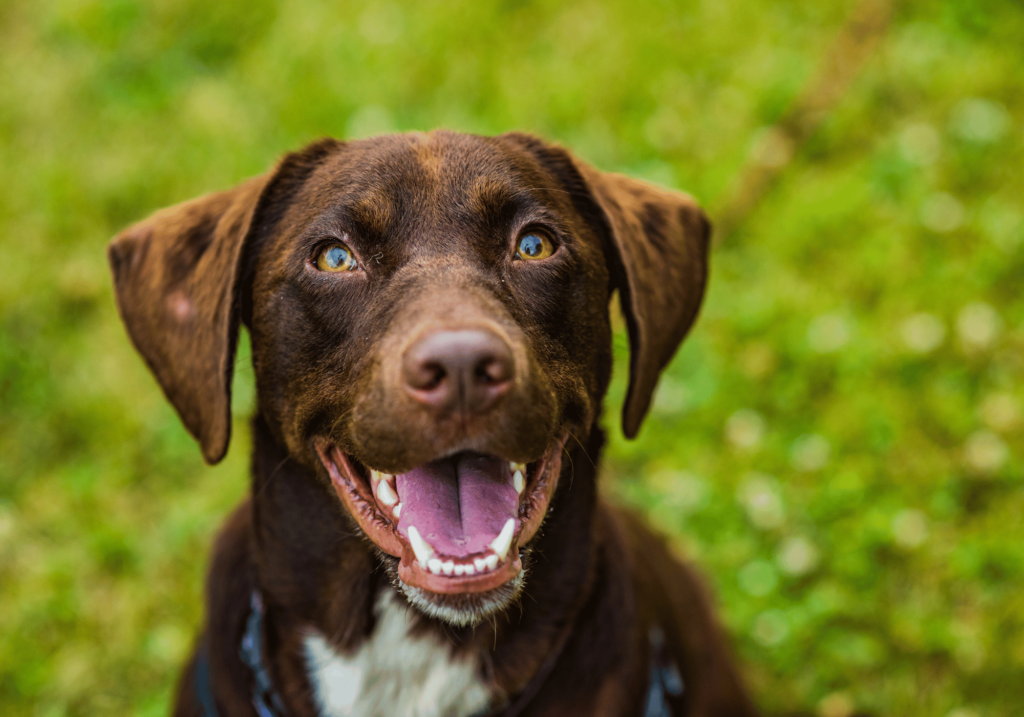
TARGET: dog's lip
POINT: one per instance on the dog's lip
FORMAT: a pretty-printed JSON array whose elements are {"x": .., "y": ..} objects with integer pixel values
[{"x": 357, "y": 494}]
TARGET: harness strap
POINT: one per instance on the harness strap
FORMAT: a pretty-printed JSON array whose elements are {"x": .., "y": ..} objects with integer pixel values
[
  {"x": 665, "y": 677},
  {"x": 204, "y": 691},
  {"x": 264, "y": 698}
]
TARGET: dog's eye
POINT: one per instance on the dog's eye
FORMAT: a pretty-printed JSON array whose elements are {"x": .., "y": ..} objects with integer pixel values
[
  {"x": 336, "y": 257},
  {"x": 534, "y": 246}
]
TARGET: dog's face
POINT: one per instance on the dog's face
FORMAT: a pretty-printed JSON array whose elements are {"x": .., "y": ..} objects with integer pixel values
[
  {"x": 411, "y": 323},
  {"x": 429, "y": 322}
]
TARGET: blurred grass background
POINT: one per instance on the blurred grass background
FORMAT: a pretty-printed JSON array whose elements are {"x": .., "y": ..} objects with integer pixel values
[{"x": 838, "y": 444}]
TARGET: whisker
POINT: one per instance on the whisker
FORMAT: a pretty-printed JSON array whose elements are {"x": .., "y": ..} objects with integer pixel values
[
  {"x": 273, "y": 474},
  {"x": 582, "y": 448}
]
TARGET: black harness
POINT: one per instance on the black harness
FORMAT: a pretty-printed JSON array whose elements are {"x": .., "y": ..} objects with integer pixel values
[
  {"x": 264, "y": 698},
  {"x": 665, "y": 679}
]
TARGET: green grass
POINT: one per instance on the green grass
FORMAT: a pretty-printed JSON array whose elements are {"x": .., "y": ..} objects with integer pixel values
[{"x": 839, "y": 444}]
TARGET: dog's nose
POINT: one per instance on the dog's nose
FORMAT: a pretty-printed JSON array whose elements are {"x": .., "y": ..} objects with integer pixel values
[{"x": 467, "y": 369}]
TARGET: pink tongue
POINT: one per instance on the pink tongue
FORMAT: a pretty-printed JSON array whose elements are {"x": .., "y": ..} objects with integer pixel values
[{"x": 458, "y": 504}]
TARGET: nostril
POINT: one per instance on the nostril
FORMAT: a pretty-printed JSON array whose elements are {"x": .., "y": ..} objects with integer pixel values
[
  {"x": 424, "y": 375},
  {"x": 433, "y": 375},
  {"x": 483, "y": 375},
  {"x": 493, "y": 370}
]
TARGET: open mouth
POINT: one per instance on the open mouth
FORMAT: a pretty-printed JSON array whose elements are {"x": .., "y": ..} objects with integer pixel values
[{"x": 456, "y": 524}]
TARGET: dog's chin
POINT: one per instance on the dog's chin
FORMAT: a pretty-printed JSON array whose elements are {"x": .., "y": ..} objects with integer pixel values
[{"x": 460, "y": 609}]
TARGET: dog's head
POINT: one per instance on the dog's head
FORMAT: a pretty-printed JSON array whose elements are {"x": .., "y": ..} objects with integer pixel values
[{"x": 429, "y": 324}]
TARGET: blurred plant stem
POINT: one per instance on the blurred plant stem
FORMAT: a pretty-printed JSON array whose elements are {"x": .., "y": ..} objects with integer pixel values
[{"x": 775, "y": 147}]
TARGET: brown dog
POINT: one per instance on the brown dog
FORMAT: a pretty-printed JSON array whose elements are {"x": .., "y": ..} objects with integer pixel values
[{"x": 431, "y": 347}]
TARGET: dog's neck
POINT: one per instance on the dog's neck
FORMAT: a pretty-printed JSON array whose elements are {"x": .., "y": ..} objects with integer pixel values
[{"x": 320, "y": 576}]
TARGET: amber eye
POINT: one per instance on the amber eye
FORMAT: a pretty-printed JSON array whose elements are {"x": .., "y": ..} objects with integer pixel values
[
  {"x": 336, "y": 257},
  {"x": 534, "y": 246}
]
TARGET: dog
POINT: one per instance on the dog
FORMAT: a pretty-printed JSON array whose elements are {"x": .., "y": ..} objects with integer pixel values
[{"x": 431, "y": 345}]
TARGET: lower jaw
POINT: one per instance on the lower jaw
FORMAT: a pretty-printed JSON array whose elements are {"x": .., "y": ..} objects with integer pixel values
[
  {"x": 412, "y": 573},
  {"x": 462, "y": 609},
  {"x": 483, "y": 588}
]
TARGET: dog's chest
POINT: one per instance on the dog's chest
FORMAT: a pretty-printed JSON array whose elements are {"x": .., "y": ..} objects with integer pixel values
[{"x": 394, "y": 673}]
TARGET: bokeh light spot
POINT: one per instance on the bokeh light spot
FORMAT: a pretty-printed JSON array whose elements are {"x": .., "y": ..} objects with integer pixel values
[
  {"x": 985, "y": 452},
  {"x": 910, "y": 528},
  {"x": 810, "y": 453},
  {"x": 922, "y": 333},
  {"x": 745, "y": 429},
  {"x": 759, "y": 496},
  {"x": 828, "y": 333},
  {"x": 978, "y": 325},
  {"x": 797, "y": 556},
  {"x": 942, "y": 213}
]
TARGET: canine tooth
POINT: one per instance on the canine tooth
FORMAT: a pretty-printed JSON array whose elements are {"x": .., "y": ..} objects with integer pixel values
[
  {"x": 460, "y": 569},
  {"x": 434, "y": 565},
  {"x": 397, "y": 510},
  {"x": 491, "y": 561},
  {"x": 384, "y": 493},
  {"x": 447, "y": 567},
  {"x": 470, "y": 570},
  {"x": 420, "y": 546},
  {"x": 503, "y": 542},
  {"x": 518, "y": 482},
  {"x": 480, "y": 564}
]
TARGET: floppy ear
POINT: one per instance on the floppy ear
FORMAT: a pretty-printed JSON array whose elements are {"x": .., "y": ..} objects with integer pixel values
[
  {"x": 177, "y": 277},
  {"x": 656, "y": 244},
  {"x": 658, "y": 257}
]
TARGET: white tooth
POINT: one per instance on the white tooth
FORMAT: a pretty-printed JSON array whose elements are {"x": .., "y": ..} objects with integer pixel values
[
  {"x": 460, "y": 569},
  {"x": 420, "y": 546},
  {"x": 435, "y": 566},
  {"x": 503, "y": 542},
  {"x": 447, "y": 567},
  {"x": 491, "y": 561},
  {"x": 470, "y": 570},
  {"x": 518, "y": 482},
  {"x": 480, "y": 564},
  {"x": 396, "y": 511},
  {"x": 384, "y": 493}
]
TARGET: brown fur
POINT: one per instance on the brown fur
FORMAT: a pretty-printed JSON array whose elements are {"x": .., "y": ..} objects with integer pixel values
[{"x": 432, "y": 219}]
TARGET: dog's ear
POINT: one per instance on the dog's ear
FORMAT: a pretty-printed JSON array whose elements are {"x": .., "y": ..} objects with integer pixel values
[
  {"x": 177, "y": 278},
  {"x": 658, "y": 257},
  {"x": 656, "y": 244}
]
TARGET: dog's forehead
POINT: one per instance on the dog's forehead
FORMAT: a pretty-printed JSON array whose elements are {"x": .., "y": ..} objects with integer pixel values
[{"x": 380, "y": 180}]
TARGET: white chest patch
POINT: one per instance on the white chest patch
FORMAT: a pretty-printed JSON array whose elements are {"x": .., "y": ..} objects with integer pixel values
[{"x": 394, "y": 674}]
